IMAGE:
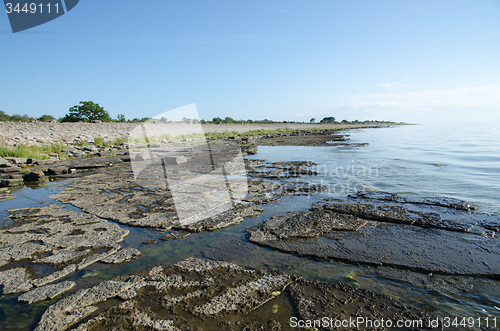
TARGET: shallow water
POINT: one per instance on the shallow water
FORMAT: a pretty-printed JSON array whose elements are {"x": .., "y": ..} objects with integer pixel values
[
  {"x": 457, "y": 160},
  {"x": 423, "y": 160}
]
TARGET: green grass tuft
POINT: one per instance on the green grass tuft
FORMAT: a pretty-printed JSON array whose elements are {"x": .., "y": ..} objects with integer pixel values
[{"x": 26, "y": 151}]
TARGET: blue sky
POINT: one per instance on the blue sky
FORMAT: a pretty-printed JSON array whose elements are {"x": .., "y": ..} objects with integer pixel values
[{"x": 413, "y": 61}]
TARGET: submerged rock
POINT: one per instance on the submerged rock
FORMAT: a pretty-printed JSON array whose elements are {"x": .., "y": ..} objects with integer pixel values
[
  {"x": 426, "y": 237},
  {"x": 123, "y": 255},
  {"x": 282, "y": 170},
  {"x": 4, "y": 196}
]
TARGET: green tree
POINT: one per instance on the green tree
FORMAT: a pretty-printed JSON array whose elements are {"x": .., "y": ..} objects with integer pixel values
[
  {"x": 121, "y": 118},
  {"x": 327, "y": 120},
  {"x": 87, "y": 111},
  {"x": 46, "y": 118},
  {"x": 4, "y": 116},
  {"x": 312, "y": 120}
]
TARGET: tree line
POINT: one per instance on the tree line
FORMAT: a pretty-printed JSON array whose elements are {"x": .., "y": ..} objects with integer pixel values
[{"x": 88, "y": 111}]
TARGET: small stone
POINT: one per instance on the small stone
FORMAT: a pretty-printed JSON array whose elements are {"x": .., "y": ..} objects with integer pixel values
[
  {"x": 44, "y": 162},
  {"x": 17, "y": 160},
  {"x": 10, "y": 182},
  {"x": 33, "y": 176},
  {"x": 57, "y": 171},
  {"x": 4, "y": 162},
  {"x": 175, "y": 159}
]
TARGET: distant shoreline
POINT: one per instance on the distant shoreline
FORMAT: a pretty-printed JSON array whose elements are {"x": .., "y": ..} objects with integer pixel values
[{"x": 45, "y": 133}]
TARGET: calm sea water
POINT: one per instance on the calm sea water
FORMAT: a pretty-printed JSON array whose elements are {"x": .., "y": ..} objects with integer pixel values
[{"x": 453, "y": 160}]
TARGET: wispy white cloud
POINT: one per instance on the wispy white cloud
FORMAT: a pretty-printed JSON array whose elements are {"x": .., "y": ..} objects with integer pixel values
[
  {"x": 281, "y": 10},
  {"x": 392, "y": 86},
  {"x": 469, "y": 97},
  {"x": 452, "y": 104}
]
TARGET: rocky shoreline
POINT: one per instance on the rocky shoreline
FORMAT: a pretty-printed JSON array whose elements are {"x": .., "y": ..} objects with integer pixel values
[
  {"x": 73, "y": 158},
  {"x": 47, "y": 133},
  {"x": 40, "y": 247}
]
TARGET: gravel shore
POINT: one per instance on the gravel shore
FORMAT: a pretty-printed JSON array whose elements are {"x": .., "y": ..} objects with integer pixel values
[{"x": 46, "y": 133}]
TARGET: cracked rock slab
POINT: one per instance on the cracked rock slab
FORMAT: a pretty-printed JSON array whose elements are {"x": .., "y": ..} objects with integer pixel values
[
  {"x": 46, "y": 292},
  {"x": 191, "y": 197},
  {"x": 217, "y": 288},
  {"x": 62, "y": 239},
  {"x": 217, "y": 296},
  {"x": 375, "y": 231}
]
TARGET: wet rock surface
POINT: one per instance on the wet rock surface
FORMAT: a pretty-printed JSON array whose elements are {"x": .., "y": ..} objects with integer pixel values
[
  {"x": 429, "y": 235},
  {"x": 123, "y": 255},
  {"x": 302, "y": 138},
  {"x": 197, "y": 294},
  {"x": 341, "y": 146},
  {"x": 49, "y": 243},
  {"x": 191, "y": 196},
  {"x": 4, "y": 196}
]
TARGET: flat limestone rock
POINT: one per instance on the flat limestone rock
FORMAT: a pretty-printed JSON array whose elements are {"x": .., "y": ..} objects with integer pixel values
[
  {"x": 63, "y": 257},
  {"x": 253, "y": 289},
  {"x": 375, "y": 231},
  {"x": 217, "y": 296},
  {"x": 431, "y": 201},
  {"x": 6, "y": 196},
  {"x": 57, "y": 237},
  {"x": 191, "y": 199},
  {"x": 123, "y": 255},
  {"x": 224, "y": 219},
  {"x": 11, "y": 182},
  {"x": 310, "y": 223},
  {"x": 15, "y": 280},
  {"x": 46, "y": 292}
]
